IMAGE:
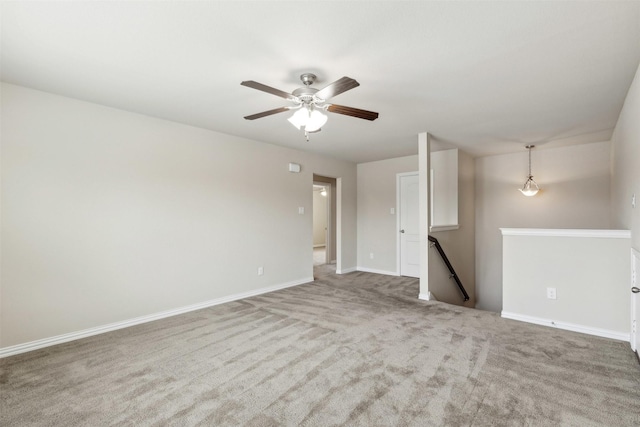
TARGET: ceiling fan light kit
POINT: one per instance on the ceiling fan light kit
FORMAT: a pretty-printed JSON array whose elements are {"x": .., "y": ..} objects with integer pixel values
[
  {"x": 311, "y": 120},
  {"x": 310, "y": 102}
]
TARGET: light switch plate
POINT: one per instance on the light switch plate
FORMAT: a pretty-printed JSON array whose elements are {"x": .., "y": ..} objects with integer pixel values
[{"x": 301, "y": 210}]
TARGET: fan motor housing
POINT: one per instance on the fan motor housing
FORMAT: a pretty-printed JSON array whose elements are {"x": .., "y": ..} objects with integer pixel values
[{"x": 305, "y": 93}]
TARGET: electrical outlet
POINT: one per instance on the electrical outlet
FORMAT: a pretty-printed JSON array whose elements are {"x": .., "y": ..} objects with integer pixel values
[
  {"x": 633, "y": 201},
  {"x": 371, "y": 255},
  {"x": 260, "y": 271},
  {"x": 551, "y": 293}
]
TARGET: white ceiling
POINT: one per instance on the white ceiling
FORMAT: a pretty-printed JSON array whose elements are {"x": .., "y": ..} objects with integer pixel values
[{"x": 488, "y": 77}]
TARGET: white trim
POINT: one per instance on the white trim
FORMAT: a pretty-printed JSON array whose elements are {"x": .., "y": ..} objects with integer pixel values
[
  {"x": 338, "y": 225},
  {"x": 346, "y": 270},
  {"x": 398, "y": 259},
  {"x": 319, "y": 246},
  {"x": 605, "y": 333},
  {"x": 72, "y": 336},
  {"x": 424, "y": 210},
  {"x": 435, "y": 228},
  {"x": 375, "y": 271},
  {"x": 328, "y": 233},
  {"x": 426, "y": 297},
  {"x": 633, "y": 279},
  {"x": 610, "y": 234}
]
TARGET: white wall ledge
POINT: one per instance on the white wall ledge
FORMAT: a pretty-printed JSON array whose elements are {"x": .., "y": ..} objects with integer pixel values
[
  {"x": 561, "y": 232},
  {"x": 586, "y": 270},
  {"x": 449, "y": 227}
]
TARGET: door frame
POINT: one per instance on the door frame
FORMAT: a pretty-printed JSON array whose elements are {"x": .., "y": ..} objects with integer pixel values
[
  {"x": 334, "y": 228},
  {"x": 328, "y": 231},
  {"x": 634, "y": 340},
  {"x": 399, "y": 177}
]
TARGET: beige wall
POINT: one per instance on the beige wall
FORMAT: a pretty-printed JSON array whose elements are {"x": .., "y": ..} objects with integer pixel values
[
  {"x": 377, "y": 227},
  {"x": 457, "y": 244},
  {"x": 109, "y": 215},
  {"x": 575, "y": 184},
  {"x": 626, "y": 165}
]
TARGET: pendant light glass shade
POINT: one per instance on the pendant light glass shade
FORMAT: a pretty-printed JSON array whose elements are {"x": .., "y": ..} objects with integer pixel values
[
  {"x": 299, "y": 118},
  {"x": 530, "y": 188},
  {"x": 316, "y": 121},
  {"x": 311, "y": 120}
]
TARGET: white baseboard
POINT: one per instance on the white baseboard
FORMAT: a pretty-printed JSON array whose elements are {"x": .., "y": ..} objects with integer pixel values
[
  {"x": 72, "y": 336},
  {"x": 605, "y": 333},
  {"x": 373, "y": 270},
  {"x": 346, "y": 270},
  {"x": 426, "y": 297}
]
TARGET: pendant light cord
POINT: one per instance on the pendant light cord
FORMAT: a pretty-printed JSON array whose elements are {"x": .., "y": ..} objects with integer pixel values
[
  {"x": 529, "y": 147},
  {"x": 530, "y": 187}
]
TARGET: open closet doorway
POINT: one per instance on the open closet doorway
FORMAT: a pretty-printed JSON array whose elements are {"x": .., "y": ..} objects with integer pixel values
[
  {"x": 324, "y": 220},
  {"x": 320, "y": 224}
]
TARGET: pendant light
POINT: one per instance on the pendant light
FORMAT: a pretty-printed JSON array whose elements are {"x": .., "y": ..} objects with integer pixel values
[{"x": 530, "y": 188}]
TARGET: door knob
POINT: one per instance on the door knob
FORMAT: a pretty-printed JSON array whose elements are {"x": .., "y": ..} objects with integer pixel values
[
  {"x": 635, "y": 290},
  {"x": 402, "y": 231}
]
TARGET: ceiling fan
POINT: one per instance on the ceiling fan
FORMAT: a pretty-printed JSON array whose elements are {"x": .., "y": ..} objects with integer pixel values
[{"x": 309, "y": 103}]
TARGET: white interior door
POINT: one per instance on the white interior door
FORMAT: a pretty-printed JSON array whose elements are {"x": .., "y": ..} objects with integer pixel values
[
  {"x": 409, "y": 225},
  {"x": 635, "y": 300}
]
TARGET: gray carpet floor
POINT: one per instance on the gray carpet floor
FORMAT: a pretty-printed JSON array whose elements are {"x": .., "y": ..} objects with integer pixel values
[{"x": 357, "y": 350}]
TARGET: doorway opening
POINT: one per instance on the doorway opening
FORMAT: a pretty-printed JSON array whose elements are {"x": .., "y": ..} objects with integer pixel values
[
  {"x": 324, "y": 221},
  {"x": 320, "y": 224}
]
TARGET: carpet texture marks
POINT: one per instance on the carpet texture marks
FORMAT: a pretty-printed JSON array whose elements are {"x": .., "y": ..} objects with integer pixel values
[{"x": 358, "y": 349}]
